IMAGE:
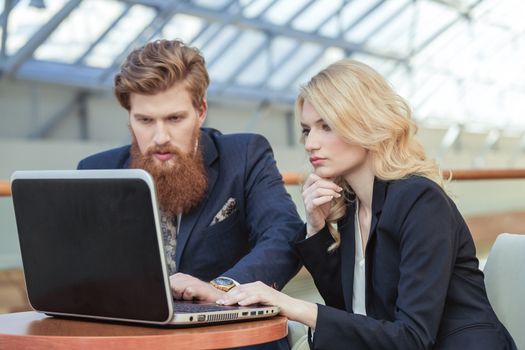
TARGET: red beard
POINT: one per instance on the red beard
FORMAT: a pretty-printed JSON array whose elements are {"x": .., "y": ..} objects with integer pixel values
[{"x": 180, "y": 185}]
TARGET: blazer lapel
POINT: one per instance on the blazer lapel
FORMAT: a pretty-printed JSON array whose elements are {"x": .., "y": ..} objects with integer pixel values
[
  {"x": 347, "y": 230},
  {"x": 188, "y": 221},
  {"x": 378, "y": 200}
]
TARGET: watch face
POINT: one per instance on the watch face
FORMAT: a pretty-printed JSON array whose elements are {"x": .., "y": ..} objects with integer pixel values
[{"x": 221, "y": 281}]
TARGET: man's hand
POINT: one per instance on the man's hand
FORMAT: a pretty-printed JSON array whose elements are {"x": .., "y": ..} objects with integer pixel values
[{"x": 187, "y": 287}]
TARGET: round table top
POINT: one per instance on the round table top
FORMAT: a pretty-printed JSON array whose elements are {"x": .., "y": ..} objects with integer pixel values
[{"x": 32, "y": 330}]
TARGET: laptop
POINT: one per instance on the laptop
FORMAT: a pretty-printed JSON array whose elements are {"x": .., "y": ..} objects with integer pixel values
[{"x": 91, "y": 247}]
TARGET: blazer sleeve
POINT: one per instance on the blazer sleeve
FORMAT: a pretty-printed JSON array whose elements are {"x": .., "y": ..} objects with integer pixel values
[
  {"x": 323, "y": 265},
  {"x": 272, "y": 221},
  {"x": 424, "y": 221}
]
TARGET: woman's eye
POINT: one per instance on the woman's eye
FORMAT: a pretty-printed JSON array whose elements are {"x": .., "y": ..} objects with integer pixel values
[
  {"x": 305, "y": 132},
  {"x": 326, "y": 127}
]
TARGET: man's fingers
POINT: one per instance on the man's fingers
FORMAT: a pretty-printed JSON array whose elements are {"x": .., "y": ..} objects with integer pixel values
[
  {"x": 177, "y": 293},
  {"x": 188, "y": 294}
]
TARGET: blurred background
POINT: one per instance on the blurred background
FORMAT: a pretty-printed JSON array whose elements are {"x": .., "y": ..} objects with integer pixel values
[{"x": 459, "y": 63}]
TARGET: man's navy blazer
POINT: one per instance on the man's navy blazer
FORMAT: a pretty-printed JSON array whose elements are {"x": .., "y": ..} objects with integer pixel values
[
  {"x": 254, "y": 242},
  {"x": 423, "y": 286}
]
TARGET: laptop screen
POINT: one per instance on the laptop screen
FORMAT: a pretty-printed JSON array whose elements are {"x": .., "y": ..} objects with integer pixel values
[{"x": 90, "y": 247}]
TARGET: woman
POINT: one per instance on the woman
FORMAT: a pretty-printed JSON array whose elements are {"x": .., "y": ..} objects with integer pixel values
[{"x": 387, "y": 248}]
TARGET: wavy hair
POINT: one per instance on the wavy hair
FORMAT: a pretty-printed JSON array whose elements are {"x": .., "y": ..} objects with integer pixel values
[
  {"x": 360, "y": 106},
  {"x": 157, "y": 66}
]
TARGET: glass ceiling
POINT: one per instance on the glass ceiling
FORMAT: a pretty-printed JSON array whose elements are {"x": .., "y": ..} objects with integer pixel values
[{"x": 456, "y": 61}]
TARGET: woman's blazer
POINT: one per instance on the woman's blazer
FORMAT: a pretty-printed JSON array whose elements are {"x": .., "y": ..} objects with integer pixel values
[{"x": 423, "y": 286}]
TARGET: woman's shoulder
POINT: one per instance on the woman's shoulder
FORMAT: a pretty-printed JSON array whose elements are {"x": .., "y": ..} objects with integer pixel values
[
  {"x": 415, "y": 183},
  {"x": 414, "y": 187},
  {"x": 417, "y": 198}
]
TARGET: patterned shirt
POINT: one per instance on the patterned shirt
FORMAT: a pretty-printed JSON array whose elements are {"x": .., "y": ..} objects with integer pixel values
[{"x": 168, "y": 225}]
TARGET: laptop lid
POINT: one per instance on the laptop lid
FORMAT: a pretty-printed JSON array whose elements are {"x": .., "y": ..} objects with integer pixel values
[{"x": 91, "y": 245}]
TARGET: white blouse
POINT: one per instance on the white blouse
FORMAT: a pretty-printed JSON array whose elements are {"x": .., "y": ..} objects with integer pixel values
[{"x": 358, "y": 298}]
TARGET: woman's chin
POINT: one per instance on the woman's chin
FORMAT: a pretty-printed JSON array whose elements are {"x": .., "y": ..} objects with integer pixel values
[{"x": 325, "y": 173}]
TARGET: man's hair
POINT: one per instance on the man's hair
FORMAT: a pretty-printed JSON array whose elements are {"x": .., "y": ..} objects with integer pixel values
[{"x": 159, "y": 65}]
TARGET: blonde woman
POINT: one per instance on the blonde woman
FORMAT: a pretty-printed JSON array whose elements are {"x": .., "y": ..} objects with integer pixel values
[{"x": 388, "y": 249}]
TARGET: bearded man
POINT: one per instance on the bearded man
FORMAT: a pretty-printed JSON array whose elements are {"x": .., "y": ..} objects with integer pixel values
[{"x": 225, "y": 214}]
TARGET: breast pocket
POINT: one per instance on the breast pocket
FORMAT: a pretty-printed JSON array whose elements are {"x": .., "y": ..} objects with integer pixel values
[{"x": 225, "y": 225}]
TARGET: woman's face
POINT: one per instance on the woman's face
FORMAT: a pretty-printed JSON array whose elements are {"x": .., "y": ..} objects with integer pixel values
[{"x": 330, "y": 155}]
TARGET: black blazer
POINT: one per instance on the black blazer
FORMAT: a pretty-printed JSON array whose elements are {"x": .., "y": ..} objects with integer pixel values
[
  {"x": 254, "y": 242},
  {"x": 423, "y": 286}
]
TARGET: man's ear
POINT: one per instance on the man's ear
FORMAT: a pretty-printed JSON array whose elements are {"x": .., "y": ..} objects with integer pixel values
[
  {"x": 129, "y": 121},
  {"x": 202, "y": 112}
]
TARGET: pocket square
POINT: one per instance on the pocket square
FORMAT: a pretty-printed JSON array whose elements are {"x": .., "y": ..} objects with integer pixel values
[{"x": 226, "y": 210}]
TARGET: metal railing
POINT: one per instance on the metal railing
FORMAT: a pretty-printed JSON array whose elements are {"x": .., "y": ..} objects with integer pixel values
[{"x": 295, "y": 178}]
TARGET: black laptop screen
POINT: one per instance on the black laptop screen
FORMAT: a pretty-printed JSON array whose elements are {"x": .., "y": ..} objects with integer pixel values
[{"x": 89, "y": 247}]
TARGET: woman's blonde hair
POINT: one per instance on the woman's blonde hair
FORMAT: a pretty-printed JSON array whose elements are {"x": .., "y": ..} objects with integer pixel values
[{"x": 360, "y": 106}]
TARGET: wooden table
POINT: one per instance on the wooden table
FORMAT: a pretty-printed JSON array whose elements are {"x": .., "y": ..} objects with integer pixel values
[{"x": 32, "y": 330}]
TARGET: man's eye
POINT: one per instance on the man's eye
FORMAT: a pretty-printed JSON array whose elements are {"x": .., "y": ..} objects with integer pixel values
[{"x": 173, "y": 119}]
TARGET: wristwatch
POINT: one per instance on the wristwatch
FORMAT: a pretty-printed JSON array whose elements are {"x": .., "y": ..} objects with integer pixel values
[{"x": 223, "y": 283}]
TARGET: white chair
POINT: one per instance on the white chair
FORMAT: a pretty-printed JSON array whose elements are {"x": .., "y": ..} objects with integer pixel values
[
  {"x": 297, "y": 336},
  {"x": 505, "y": 283}
]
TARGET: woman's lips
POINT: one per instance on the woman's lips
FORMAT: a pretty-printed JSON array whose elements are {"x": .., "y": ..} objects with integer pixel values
[{"x": 316, "y": 160}]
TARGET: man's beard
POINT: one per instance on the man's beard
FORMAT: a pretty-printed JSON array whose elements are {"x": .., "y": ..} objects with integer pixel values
[{"x": 181, "y": 185}]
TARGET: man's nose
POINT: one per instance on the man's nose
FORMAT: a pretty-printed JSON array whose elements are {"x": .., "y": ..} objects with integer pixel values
[{"x": 161, "y": 134}]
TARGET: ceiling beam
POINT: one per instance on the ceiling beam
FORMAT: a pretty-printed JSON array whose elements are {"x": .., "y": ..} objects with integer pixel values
[
  {"x": 84, "y": 77},
  {"x": 158, "y": 22},
  {"x": 103, "y": 35},
  {"x": 462, "y": 9},
  {"x": 245, "y": 63},
  {"x": 4, "y": 21},
  {"x": 11, "y": 65},
  {"x": 313, "y": 59},
  {"x": 447, "y": 26},
  {"x": 296, "y": 15},
  {"x": 265, "y": 26},
  {"x": 9, "y": 8}
]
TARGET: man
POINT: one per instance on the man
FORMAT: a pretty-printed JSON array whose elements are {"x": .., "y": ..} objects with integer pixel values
[{"x": 225, "y": 214}]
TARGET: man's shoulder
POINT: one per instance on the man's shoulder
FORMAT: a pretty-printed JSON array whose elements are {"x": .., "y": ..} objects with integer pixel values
[
  {"x": 235, "y": 140},
  {"x": 114, "y": 158},
  {"x": 238, "y": 143},
  {"x": 234, "y": 150}
]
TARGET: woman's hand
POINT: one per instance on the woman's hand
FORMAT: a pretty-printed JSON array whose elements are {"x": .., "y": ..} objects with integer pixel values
[
  {"x": 260, "y": 293},
  {"x": 317, "y": 196}
]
